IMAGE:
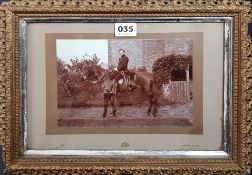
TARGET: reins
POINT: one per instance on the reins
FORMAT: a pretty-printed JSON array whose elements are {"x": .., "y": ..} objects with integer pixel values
[{"x": 100, "y": 79}]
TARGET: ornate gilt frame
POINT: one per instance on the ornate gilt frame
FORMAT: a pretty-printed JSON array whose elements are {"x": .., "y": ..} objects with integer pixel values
[{"x": 10, "y": 95}]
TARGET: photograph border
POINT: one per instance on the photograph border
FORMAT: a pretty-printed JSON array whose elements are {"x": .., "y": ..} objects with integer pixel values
[
  {"x": 197, "y": 118},
  {"x": 13, "y": 107}
]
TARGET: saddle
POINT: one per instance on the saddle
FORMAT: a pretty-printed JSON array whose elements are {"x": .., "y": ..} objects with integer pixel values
[{"x": 120, "y": 77}]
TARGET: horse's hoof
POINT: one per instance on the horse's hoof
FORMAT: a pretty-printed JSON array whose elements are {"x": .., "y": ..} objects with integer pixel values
[
  {"x": 113, "y": 114},
  {"x": 154, "y": 115},
  {"x": 103, "y": 115}
]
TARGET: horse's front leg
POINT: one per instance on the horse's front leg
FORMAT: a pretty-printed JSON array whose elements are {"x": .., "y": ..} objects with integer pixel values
[
  {"x": 106, "y": 99},
  {"x": 112, "y": 102}
]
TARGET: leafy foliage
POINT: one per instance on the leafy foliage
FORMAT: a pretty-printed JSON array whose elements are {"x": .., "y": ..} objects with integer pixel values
[
  {"x": 72, "y": 90},
  {"x": 163, "y": 66}
]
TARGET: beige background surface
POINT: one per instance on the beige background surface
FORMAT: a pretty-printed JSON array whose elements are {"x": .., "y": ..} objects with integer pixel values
[
  {"x": 51, "y": 88},
  {"x": 212, "y": 94}
]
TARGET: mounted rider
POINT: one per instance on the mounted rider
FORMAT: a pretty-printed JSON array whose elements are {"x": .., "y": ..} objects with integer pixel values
[
  {"x": 122, "y": 68},
  {"x": 123, "y": 62}
]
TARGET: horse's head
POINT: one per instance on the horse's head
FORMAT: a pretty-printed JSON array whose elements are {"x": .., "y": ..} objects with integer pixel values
[
  {"x": 87, "y": 72},
  {"x": 91, "y": 72}
]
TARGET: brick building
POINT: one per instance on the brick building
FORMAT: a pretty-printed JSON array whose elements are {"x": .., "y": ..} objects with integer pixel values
[{"x": 143, "y": 53}]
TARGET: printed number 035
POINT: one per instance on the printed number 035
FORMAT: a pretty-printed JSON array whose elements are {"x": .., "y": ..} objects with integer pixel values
[{"x": 125, "y": 28}]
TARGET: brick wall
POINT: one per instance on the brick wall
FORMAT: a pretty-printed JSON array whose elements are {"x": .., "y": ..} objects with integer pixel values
[
  {"x": 133, "y": 49},
  {"x": 152, "y": 50},
  {"x": 145, "y": 52},
  {"x": 178, "y": 46}
]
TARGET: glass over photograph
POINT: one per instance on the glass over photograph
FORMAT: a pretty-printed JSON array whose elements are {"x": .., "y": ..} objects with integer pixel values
[{"x": 87, "y": 84}]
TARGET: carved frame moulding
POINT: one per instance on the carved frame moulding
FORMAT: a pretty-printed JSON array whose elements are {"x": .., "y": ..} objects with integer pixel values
[{"x": 23, "y": 156}]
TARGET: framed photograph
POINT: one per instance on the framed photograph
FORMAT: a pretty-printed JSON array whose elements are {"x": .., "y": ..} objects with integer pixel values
[{"x": 125, "y": 87}]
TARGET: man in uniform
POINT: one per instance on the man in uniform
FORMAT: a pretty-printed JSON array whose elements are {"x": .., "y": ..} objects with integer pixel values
[
  {"x": 122, "y": 68},
  {"x": 123, "y": 61}
]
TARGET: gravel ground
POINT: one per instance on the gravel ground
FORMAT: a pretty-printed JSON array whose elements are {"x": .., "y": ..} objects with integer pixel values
[{"x": 177, "y": 115}]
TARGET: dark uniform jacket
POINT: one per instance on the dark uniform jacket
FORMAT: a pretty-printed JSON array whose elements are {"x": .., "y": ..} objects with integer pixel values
[{"x": 123, "y": 63}]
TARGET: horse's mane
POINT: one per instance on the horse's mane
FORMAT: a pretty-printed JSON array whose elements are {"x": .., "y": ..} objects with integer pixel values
[{"x": 98, "y": 73}]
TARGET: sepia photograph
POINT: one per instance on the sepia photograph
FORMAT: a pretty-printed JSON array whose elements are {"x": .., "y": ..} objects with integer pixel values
[{"x": 125, "y": 82}]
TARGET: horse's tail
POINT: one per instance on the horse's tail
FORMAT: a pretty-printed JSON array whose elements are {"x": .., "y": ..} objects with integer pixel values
[
  {"x": 151, "y": 85},
  {"x": 157, "y": 81}
]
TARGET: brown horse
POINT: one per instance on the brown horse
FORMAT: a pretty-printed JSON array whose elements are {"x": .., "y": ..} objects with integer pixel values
[{"x": 142, "y": 80}]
